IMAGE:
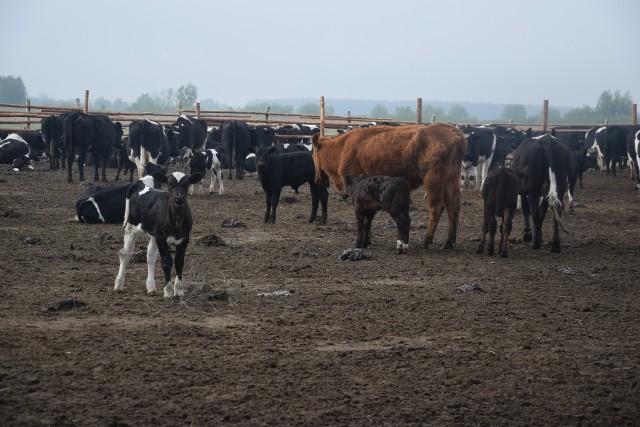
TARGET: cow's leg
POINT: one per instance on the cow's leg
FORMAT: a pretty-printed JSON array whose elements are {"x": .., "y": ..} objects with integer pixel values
[
  {"x": 220, "y": 183},
  {"x": 526, "y": 213},
  {"x": 315, "y": 200},
  {"x": 537, "y": 214},
  {"x": 505, "y": 231},
  {"x": 167, "y": 264},
  {"x": 275, "y": 198},
  {"x": 268, "y": 203},
  {"x": 82, "y": 157},
  {"x": 493, "y": 226},
  {"x": 178, "y": 286},
  {"x": 485, "y": 230},
  {"x": 130, "y": 232},
  {"x": 360, "y": 233},
  {"x": 368, "y": 219},
  {"x": 69, "y": 167},
  {"x": 213, "y": 181},
  {"x": 152, "y": 256},
  {"x": 452, "y": 205},
  {"x": 239, "y": 164},
  {"x": 323, "y": 194},
  {"x": 403, "y": 222}
]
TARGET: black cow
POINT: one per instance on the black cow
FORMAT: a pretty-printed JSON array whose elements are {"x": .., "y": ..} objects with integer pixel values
[
  {"x": 124, "y": 156},
  {"x": 236, "y": 140},
  {"x": 3, "y": 134},
  {"x": 277, "y": 170},
  {"x": 166, "y": 218},
  {"x": 105, "y": 205},
  {"x": 481, "y": 144},
  {"x": 500, "y": 196},
  {"x": 148, "y": 143},
  {"x": 52, "y": 128},
  {"x": 83, "y": 132},
  {"x": 369, "y": 195},
  {"x": 262, "y": 136},
  {"x": 191, "y": 134},
  {"x": 633, "y": 145},
  {"x": 294, "y": 130},
  {"x": 543, "y": 165},
  {"x": 17, "y": 152}
]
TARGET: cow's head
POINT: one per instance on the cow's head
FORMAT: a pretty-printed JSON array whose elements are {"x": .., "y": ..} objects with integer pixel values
[
  {"x": 349, "y": 185},
  {"x": 178, "y": 186}
]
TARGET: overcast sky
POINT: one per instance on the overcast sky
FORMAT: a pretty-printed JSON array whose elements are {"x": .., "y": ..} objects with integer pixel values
[{"x": 502, "y": 51}]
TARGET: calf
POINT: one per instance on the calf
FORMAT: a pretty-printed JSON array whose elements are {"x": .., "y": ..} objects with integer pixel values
[
  {"x": 369, "y": 195},
  {"x": 105, "y": 205},
  {"x": 481, "y": 144},
  {"x": 166, "y": 218},
  {"x": 124, "y": 159},
  {"x": 203, "y": 161},
  {"x": 500, "y": 196},
  {"x": 277, "y": 170}
]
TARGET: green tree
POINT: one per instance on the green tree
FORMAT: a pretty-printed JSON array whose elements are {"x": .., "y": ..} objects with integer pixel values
[
  {"x": 613, "y": 104},
  {"x": 186, "y": 95},
  {"x": 515, "y": 112},
  {"x": 457, "y": 113},
  {"x": 380, "y": 111},
  {"x": 580, "y": 115},
  {"x": 275, "y": 108},
  {"x": 146, "y": 102},
  {"x": 313, "y": 108},
  {"x": 12, "y": 90},
  {"x": 428, "y": 111},
  {"x": 404, "y": 114}
]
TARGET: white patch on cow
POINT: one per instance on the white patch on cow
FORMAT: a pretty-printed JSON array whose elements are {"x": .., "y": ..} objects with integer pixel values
[
  {"x": 95, "y": 205},
  {"x": 152, "y": 122},
  {"x": 15, "y": 137},
  {"x": 148, "y": 181},
  {"x": 178, "y": 175},
  {"x": 250, "y": 155},
  {"x": 552, "y": 197},
  {"x": 171, "y": 240},
  {"x": 308, "y": 146},
  {"x": 130, "y": 232},
  {"x": 152, "y": 256},
  {"x": 186, "y": 118},
  {"x": 178, "y": 288},
  {"x": 15, "y": 170},
  {"x": 636, "y": 143},
  {"x": 146, "y": 189},
  {"x": 519, "y": 203}
]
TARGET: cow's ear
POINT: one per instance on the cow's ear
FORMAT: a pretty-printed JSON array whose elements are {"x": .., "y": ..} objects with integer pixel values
[
  {"x": 195, "y": 178},
  {"x": 160, "y": 177},
  {"x": 529, "y": 133},
  {"x": 553, "y": 133}
]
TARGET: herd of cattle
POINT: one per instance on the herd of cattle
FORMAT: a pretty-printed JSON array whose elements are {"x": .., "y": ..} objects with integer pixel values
[{"x": 377, "y": 166}]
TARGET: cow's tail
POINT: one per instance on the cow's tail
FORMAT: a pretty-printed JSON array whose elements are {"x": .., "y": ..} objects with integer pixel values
[
  {"x": 502, "y": 187},
  {"x": 555, "y": 203}
]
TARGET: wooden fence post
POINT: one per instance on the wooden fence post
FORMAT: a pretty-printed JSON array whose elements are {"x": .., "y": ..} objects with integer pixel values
[
  {"x": 349, "y": 116},
  {"x": 28, "y": 111},
  {"x": 433, "y": 118},
  {"x": 322, "y": 116},
  {"x": 545, "y": 115},
  {"x": 78, "y": 103},
  {"x": 86, "y": 102},
  {"x": 419, "y": 111},
  {"x": 179, "y": 107},
  {"x": 197, "y": 110},
  {"x": 634, "y": 114},
  {"x": 266, "y": 115}
]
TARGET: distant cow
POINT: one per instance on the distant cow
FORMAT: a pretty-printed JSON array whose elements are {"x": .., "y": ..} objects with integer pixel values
[
  {"x": 123, "y": 155},
  {"x": 52, "y": 128},
  {"x": 369, "y": 195},
  {"x": 262, "y": 136},
  {"x": 166, "y": 218},
  {"x": 278, "y": 170},
  {"x": 191, "y": 134},
  {"x": 610, "y": 142},
  {"x": 83, "y": 132},
  {"x": 543, "y": 165},
  {"x": 481, "y": 144},
  {"x": 500, "y": 196},
  {"x": 425, "y": 155},
  {"x": 236, "y": 140},
  {"x": 203, "y": 162},
  {"x": 105, "y": 205},
  {"x": 148, "y": 143},
  {"x": 633, "y": 147}
]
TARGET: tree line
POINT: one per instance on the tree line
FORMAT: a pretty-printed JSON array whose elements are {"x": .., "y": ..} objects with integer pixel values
[{"x": 612, "y": 106}]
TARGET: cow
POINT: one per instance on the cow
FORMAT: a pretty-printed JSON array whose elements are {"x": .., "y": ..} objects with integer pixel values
[
  {"x": 500, "y": 196},
  {"x": 236, "y": 140},
  {"x": 17, "y": 152},
  {"x": 123, "y": 155},
  {"x": 262, "y": 136},
  {"x": 543, "y": 165},
  {"x": 481, "y": 144},
  {"x": 35, "y": 140},
  {"x": 191, "y": 134},
  {"x": 633, "y": 147},
  {"x": 203, "y": 161},
  {"x": 3, "y": 134},
  {"x": 371, "y": 194},
  {"x": 148, "y": 143},
  {"x": 105, "y": 205},
  {"x": 166, "y": 218},
  {"x": 277, "y": 170},
  {"x": 83, "y": 132},
  {"x": 610, "y": 143},
  {"x": 428, "y": 155},
  {"x": 52, "y": 129}
]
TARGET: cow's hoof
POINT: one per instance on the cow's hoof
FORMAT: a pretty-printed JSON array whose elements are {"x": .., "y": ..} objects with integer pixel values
[
  {"x": 503, "y": 255},
  {"x": 527, "y": 237},
  {"x": 555, "y": 248}
]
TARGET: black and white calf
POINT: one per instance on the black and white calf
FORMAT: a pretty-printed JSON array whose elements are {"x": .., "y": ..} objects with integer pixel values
[
  {"x": 481, "y": 144},
  {"x": 17, "y": 152},
  {"x": 203, "y": 162},
  {"x": 277, "y": 170},
  {"x": 371, "y": 194},
  {"x": 166, "y": 218}
]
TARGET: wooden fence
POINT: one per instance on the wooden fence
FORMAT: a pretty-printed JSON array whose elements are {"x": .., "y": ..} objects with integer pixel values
[{"x": 18, "y": 117}]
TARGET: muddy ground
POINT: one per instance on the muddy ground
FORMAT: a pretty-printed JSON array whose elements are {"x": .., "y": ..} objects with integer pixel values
[{"x": 553, "y": 339}]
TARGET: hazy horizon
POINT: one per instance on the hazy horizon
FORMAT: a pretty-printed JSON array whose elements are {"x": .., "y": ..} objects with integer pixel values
[{"x": 496, "y": 51}]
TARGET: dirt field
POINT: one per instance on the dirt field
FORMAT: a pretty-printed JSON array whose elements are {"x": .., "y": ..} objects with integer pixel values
[{"x": 553, "y": 339}]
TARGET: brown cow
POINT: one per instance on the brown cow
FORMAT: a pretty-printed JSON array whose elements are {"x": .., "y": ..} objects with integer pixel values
[
  {"x": 371, "y": 194},
  {"x": 500, "y": 195},
  {"x": 424, "y": 155}
]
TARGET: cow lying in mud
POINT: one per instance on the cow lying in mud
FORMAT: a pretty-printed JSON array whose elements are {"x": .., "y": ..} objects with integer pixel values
[
  {"x": 424, "y": 155},
  {"x": 369, "y": 195}
]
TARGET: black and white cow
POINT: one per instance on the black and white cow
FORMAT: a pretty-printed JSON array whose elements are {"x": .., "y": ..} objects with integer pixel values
[
  {"x": 278, "y": 170},
  {"x": 191, "y": 134},
  {"x": 105, "y": 205},
  {"x": 371, "y": 194},
  {"x": 148, "y": 143},
  {"x": 17, "y": 152},
  {"x": 207, "y": 161},
  {"x": 35, "y": 140},
  {"x": 481, "y": 144},
  {"x": 633, "y": 147},
  {"x": 610, "y": 144},
  {"x": 166, "y": 218},
  {"x": 543, "y": 165},
  {"x": 52, "y": 129},
  {"x": 236, "y": 140},
  {"x": 83, "y": 132}
]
